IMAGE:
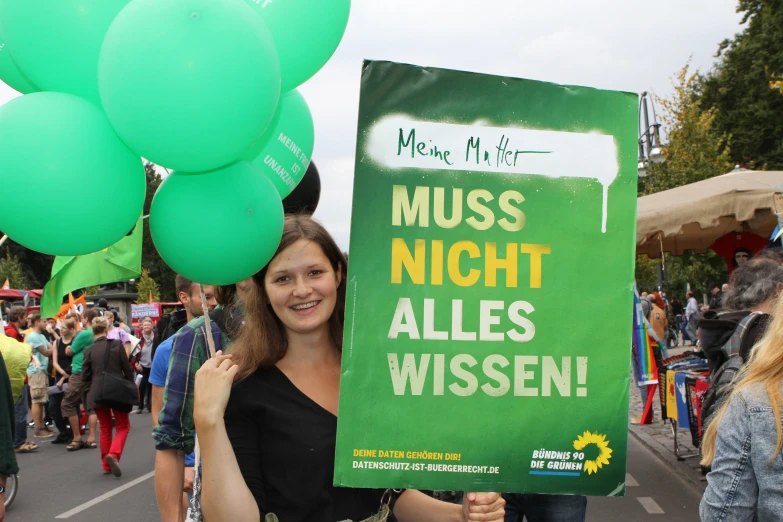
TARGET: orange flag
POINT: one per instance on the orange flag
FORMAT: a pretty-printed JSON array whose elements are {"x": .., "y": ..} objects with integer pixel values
[
  {"x": 151, "y": 296},
  {"x": 77, "y": 306},
  {"x": 6, "y": 286}
]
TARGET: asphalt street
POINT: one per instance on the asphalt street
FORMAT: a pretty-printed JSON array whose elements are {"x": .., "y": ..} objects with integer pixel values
[{"x": 58, "y": 485}]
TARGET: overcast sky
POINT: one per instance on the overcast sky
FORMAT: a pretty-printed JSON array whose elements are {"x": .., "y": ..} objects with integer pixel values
[{"x": 611, "y": 44}]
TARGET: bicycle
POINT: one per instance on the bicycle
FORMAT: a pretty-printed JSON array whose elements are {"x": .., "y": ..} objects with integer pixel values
[
  {"x": 11, "y": 488},
  {"x": 672, "y": 339}
]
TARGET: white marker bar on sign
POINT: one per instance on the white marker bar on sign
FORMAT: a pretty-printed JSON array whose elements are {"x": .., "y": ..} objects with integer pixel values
[{"x": 399, "y": 142}]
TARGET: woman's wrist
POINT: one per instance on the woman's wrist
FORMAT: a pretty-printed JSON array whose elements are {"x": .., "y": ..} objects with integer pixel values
[{"x": 208, "y": 427}]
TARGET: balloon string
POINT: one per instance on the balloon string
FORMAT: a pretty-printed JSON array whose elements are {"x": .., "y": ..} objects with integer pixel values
[
  {"x": 207, "y": 321},
  {"x": 197, "y": 449}
]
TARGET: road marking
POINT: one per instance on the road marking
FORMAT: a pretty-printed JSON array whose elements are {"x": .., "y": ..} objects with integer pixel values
[
  {"x": 105, "y": 496},
  {"x": 630, "y": 481},
  {"x": 650, "y": 506}
]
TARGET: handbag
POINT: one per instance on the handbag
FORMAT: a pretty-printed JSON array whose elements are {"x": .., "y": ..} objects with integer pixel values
[{"x": 115, "y": 391}]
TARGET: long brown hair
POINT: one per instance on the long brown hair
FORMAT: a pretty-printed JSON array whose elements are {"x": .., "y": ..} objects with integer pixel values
[{"x": 262, "y": 340}]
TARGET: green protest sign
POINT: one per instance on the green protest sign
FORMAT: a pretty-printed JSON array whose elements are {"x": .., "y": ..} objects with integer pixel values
[{"x": 488, "y": 319}]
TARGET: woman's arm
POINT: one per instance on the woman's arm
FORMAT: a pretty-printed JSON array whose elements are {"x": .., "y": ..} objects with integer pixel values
[
  {"x": 732, "y": 491},
  {"x": 225, "y": 496},
  {"x": 415, "y": 506}
]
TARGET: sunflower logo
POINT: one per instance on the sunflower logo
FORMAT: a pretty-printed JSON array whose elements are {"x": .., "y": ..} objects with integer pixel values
[{"x": 597, "y": 451}]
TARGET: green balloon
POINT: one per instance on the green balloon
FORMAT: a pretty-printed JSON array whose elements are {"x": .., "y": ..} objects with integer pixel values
[
  {"x": 189, "y": 84},
  {"x": 10, "y": 73},
  {"x": 56, "y": 43},
  {"x": 234, "y": 228},
  {"x": 71, "y": 186},
  {"x": 283, "y": 152},
  {"x": 306, "y": 33}
]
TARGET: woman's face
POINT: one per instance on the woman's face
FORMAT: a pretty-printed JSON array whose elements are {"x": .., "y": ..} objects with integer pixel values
[
  {"x": 146, "y": 327},
  {"x": 109, "y": 317},
  {"x": 302, "y": 287}
]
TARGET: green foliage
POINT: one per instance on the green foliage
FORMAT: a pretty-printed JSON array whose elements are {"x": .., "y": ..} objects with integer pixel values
[
  {"x": 697, "y": 269},
  {"x": 91, "y": 290},
  {"x": 746, "y": 87},
  {"x": 695, "y": 149},
  {"x": 36, "y": 266},
  {"x": 157, "y": 268},
  {"x": 11, "y": 269},
  {"x": 147, "y": 286}
]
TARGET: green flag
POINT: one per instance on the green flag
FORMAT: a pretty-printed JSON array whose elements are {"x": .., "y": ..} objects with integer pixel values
[{"x": 119, "y": 262}]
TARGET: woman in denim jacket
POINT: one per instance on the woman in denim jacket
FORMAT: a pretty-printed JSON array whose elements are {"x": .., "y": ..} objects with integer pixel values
[{"x": 743, "y": 442}]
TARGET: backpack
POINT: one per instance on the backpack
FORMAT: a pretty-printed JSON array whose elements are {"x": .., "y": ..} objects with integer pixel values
[{"x": 737, "y": 351}]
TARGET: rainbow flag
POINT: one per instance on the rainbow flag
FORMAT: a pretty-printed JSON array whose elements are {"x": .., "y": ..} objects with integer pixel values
[{"x": 644, "y": 342}]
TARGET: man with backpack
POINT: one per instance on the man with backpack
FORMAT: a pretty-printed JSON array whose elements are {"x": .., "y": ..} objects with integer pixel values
[{"x": 728, "y": 337}]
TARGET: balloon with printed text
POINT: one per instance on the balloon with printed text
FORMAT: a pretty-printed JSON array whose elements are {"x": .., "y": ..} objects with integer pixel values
[
  {"x": 306, "y": 33},
  {"x": 238, "y": 233},
  {"x": 199, "y": 92},
  {"x": 60, "y": 149},
  {"x": 283, "y": 152}
]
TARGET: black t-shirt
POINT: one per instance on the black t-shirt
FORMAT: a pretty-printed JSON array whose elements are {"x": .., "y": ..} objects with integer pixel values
[
  {"x": 284, "y": 443},
  {"x": 62, "y": 359}
]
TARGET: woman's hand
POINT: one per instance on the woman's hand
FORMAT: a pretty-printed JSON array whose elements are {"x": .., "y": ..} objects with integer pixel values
[
  {"x": 482, "y": 507},
  {"x": 68, "y": 351},
  {"x": 212, "y": 390},
  {"x": 61, "y": 382},
  {"x": 138, "y": 367}
]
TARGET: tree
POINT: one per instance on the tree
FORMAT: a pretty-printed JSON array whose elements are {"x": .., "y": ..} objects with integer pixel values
[
  {"x": 695, "y": 150},
  {"x": 11, "y": 269},
  {"x": 745, "y": 87},
  {"x": 147, "y": 286},
  {"x": 36, "y": 266},
  {"x": 157, "y": 268}
]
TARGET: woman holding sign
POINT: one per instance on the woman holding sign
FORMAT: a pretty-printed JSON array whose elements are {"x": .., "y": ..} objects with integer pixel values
[{"x": 268, "y": 444}]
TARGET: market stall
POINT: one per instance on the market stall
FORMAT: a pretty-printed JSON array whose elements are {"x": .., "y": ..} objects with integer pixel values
[{"x": 695, "y": 216}]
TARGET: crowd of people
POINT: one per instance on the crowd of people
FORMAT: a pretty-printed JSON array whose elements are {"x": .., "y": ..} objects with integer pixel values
[
  {"x": 269, "y": 395},
  {"x": 740, "y": 333}
]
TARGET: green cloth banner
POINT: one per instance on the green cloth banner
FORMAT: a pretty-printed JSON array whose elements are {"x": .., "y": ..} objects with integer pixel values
[
  {"x": 119, "y": 262},
  {"x": 488, "y": 328}
]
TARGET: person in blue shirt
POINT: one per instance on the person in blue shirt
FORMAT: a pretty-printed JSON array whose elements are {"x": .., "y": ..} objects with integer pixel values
[
  {"x": 37, "y": 374},
  {"x": 190, "y": 297}
]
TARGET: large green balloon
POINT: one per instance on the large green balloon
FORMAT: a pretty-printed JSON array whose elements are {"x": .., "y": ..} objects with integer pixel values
[
  {"x": 56, "y": 42},
  {"x": 234, "y": 223},
  {"x": 70, "y": 186},
  {"x": 189, "y": 84},
  {"x": 306, "y": 33},
  {"x": 10, "y": 73},
  {"x": 283, "y": 152}
]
